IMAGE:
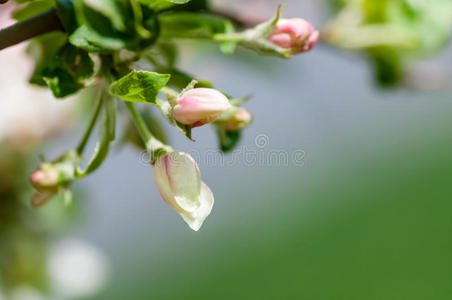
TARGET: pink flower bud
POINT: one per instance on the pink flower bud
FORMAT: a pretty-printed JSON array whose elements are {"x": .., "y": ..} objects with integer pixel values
[
  {"x": 200, "y": 106},
  {"x": 236, "y": 119},
  {"x": 179, "y": 183},
  {"x": 295, "y": 34},
  {"x": 45, "y": 179}
]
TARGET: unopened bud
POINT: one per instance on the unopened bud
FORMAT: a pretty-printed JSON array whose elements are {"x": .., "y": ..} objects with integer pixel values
[
  {"x": 295, "y": 34},
  {"x": 178, "y": 181},
  {"x": 45, "y": 179},
  {"x": 236, "y": 119},
  {"x": 200, "y": 106}
]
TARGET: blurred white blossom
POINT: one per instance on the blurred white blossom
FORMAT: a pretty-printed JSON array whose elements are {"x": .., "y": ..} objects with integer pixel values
[
  {"x": 76, "y": 269},
  {"x": 28, "y": 113}
]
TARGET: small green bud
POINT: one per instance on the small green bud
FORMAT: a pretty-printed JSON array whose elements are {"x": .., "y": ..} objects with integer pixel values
[{"x": 236, "y": 119}]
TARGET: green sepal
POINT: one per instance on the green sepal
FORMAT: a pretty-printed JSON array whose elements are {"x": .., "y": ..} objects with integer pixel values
[
  {"x": 106, "y": 136},
  {"x": 228, "y": 140},
  {"x": 167, "y": 112},
  {"x": 255, "y": 39}
]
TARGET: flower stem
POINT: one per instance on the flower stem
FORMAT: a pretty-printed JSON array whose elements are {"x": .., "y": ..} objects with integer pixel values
[
  {"x": 21, "y": 31},
  {"x": 81, "y": 146},
  {"x": 229, "y": 37},
  {"x": 169, "y": 91},
  {"x": 153, "y": 145},
  {"x": 141, "y": 126}
]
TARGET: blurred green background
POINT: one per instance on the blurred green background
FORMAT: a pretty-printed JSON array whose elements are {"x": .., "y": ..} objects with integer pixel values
[{"x": 366, "y": 215}]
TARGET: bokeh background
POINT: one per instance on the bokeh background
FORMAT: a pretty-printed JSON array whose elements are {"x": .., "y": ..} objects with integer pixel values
[{"x": 366, "y": 213}]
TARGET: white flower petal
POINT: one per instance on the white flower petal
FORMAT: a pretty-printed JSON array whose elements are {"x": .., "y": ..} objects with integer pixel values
[
  {"x": 197, "y": 218},
  {"x": 162, "y": 182},
  {"x": 77, "y": 269},
  {"x": 184, "y": 179}
]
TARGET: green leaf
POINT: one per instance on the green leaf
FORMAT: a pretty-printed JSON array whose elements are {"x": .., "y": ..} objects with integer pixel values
[
  {"x": 162, "y": 4},
  {"x": 114, "y": 11},
  {"x": 228, "y": 140},
  {"x": 139, "y": 86},
  {"x": 90, "y": 40},
  {"x": 77, "y": 61},
  {"x": 111, "y": 25},
  {"x": 388, "y": 66},
  {"x": 66, "y": 74},
  {"x": 61, "y": 83},
  {"x": 32, "y": 9},
  {"x": 66, "y": 13},
  {"x": 44, "y": 49}
]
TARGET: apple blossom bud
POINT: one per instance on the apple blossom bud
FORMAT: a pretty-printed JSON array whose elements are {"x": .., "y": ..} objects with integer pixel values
[
  {"x": 200, "y": 106},
  {"x": 236, "y": 119},
  {"x": 45, "y": 179},
  {"x": 179, "y": 183},
  {"x": 295, "y": 34}
]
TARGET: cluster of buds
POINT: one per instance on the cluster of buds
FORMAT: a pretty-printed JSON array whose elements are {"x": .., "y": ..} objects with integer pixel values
[
  {"x": 52, "y": 178},
  {"x": 176, "y": 174}
]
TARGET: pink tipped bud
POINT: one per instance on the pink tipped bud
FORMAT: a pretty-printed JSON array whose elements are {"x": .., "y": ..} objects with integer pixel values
[
  {"x": 236, "y": 119},
  {"x": 295, "y": 34},
  {"x": 45, "y": 179},
  {"x": 200, "y": 106},
  {"x": 178, "y": 180}
]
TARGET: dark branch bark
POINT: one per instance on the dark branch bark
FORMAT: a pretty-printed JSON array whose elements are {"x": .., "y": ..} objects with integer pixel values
[
  {"x": 49, "y": 21},
  {"x": 22, "y": 31}
]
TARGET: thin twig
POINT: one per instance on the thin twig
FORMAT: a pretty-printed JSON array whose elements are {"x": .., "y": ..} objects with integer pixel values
[{"x": 22, "y": 31}]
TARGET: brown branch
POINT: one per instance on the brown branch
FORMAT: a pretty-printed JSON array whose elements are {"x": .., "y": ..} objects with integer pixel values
[{"x": 22, "y": 31}]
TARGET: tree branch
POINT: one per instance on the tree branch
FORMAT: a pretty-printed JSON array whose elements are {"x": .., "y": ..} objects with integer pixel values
[{"x": 21, "y": 31}]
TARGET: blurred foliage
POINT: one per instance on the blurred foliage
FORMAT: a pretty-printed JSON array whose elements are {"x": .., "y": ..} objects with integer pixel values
[
  {"x": 25, "y": 234},
  {"x": 390, "y": 32}
]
